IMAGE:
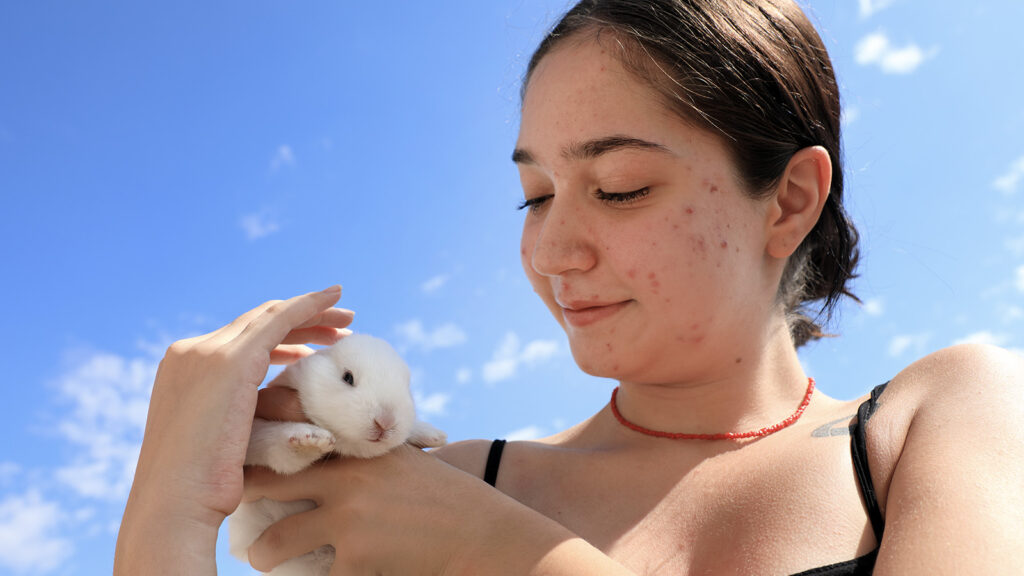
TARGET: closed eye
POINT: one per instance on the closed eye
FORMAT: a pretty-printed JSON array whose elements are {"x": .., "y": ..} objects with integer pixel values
[
  {"x": 622, "y": 197},
  {"x": 534, "y": 204}
]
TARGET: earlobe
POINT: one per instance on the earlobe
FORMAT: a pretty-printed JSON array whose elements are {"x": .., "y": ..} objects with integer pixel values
[{"x": 798, "y": 201}]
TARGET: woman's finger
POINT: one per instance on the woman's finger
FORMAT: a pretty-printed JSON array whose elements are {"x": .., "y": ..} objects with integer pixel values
[
  {"x": 290, "y": 537},
  {"x": 279, "y": 403},
  {"x": 333, "y": 317},
  {"x": 322, "y": 335},
  {"x": 289, "y": 353},
  {"x": 270, "y": 327},
  {"x": 263, "y": 482}
]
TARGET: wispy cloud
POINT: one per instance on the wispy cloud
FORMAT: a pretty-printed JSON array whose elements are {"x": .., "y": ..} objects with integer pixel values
[
  {"x": 463, "y": 375},
  {"x": 1018, "y": 280},
  {"x": 415, "y": 336},
  {"x": 431, "y": 404},
  {"x": 874, "y": 307},
  {"x": 869, "y": 8},
  {"x": 109, "y": 397},
  {"x": 283, "y": 156},
  {"x": 984, "y": 337},
  {"x": 258, "y": 225},
  {"x": 849, "y": 115},
  {"x": 510, "y": 355},
  {"x": 29, "y": 538},
  {"x": 876, "y": 49},
  {"x": 526, "y": 433},
  {"x": 904, "y": 342},
  {"x": 1008, "y": 182},
  {"x": 434, "y": 284}
]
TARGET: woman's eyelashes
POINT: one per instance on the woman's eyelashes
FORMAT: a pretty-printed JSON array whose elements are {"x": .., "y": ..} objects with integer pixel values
[
  {"x": 622, "y": 197},
  {"x": 619, "y": 198}
]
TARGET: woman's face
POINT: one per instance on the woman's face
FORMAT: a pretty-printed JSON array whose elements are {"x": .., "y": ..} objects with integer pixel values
[{"x": 637, "y": 235}]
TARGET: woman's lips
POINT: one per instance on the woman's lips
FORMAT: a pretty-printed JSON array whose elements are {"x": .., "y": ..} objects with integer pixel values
[{"x": 578, "y": 317}]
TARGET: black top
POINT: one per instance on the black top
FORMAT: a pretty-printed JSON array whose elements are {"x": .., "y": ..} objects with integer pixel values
[{"x": 860, "y": 566}]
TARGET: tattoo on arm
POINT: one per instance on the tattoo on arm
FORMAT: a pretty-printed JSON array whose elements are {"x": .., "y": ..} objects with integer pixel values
[{"x": 837, "y": 427}]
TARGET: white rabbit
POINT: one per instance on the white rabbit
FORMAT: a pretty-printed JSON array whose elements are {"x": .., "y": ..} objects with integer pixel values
[{"x": 356, "y": 393}]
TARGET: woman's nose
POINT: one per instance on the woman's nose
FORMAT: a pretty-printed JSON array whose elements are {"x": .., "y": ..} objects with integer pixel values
[{"x": 564, "y": 242}]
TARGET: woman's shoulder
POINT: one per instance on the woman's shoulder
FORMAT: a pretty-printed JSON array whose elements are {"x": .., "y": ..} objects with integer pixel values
[
  {"x": 946, "y": 441},
  {"x": 977, "y": 374}
]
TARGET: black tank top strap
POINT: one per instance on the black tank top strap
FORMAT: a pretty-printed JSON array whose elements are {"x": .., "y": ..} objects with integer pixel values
[
  {"x": 493, "y": 462},
  {"x": 858, "y": 446}
]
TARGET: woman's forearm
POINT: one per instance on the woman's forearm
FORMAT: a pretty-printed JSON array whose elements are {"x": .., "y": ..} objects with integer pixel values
[{"x": 157, "y": 539}]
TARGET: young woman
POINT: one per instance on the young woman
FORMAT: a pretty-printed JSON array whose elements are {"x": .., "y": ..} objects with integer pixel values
[{"x": 683, "y": 193}]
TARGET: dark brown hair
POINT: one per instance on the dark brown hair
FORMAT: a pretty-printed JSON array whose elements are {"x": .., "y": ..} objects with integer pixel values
[{"x": 756, "y": 73}]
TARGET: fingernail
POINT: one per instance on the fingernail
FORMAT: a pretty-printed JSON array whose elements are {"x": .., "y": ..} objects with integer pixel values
[
  {"x": 333, "y": 289},
  {"x": 344, "y": 332}
]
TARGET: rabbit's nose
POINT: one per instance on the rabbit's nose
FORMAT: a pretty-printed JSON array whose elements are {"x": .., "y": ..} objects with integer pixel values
[{"x": 384, "y": 422}]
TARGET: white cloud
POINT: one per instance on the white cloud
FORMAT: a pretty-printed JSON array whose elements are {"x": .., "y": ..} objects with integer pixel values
[
  {"x": 109, "y": 395},
  {"x": 282, "y": 157},
  {"x": 1018, "y": 280},
  {"x": 868, "y": 8},
  {"x": 1007, "y": 183},
  {"x": 527, "y": 433},
  {"x": 849, "y": 115},
  {"x": 904, "y": 342},
  {"x": 434, "y": 284},
  {"x": 984, "y": 337},
  {"x": 874, "y": 307},
  {"x": 431, "y": 405},
  {"x": 258, "y": 225},
  {"x": 29, "y": 542},
  {"x": 509, "y": 355},
  {"x": 444, "y": 336},
  {"x": 877, "y": 50},
  {"x": 463, "y": 375}
]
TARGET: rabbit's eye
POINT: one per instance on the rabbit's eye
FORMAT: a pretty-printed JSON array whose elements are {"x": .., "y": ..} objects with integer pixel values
[{"x": 349, "y": 378}]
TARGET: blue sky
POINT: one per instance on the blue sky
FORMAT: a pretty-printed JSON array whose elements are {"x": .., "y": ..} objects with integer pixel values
[{"x": 165, "y": 167}]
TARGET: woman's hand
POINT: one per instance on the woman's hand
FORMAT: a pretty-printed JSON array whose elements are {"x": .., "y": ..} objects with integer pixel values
[
  {"x": 189, "y": 475},
  {"x": 409, "y": 513}
]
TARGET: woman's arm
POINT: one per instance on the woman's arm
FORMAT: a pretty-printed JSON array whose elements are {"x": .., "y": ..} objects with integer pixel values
[
  {"x": 189, "y": 475},
  {"x": 955, "y": 503},
  {"x": 408, "y": 512}
]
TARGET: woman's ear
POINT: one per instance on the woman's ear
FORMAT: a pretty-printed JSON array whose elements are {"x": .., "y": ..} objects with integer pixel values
[{"x": 798, "y": 201}]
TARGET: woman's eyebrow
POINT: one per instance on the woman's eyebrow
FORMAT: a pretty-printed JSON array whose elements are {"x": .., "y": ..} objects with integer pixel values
[{"x": 591, "y": 149}]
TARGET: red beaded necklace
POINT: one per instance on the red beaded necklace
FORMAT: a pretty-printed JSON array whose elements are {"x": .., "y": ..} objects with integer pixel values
[{"x": 721, "y": 436}]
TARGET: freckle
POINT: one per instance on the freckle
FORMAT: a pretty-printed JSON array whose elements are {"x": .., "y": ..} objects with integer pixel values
[
  {"x": 655, "y": 284},
  {"x": 724, "y": 244},
  {"x": 680, "y": 338},
  {"x": 668, "y": 300},
  {"x": 675, "y": 226},
  {"x": 695, "y": 327},
  {"x": 562, "y": 221},
  {"x": 608, "y": 346},
  {"x": 631, "y": 273},
  {"x": 713, "y": 189},
  {"x": 698, "y": 339},
  {"x": 666, "y": 218},
  {"x": 612, "y": 331},
  {"x": 689, "y": 209},
  {"x": 728, "y": 226},
  {"x": 653, "y": 244},
  {"x": 739, "y": 360},
  {"x": 615, "y": 368},
  {"x": 737, "y": 249},
  {"x": 651, "y": 276}
]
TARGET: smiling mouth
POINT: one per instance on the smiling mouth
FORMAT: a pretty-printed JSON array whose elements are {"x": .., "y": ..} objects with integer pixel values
[{"x": 579, "y": 317}]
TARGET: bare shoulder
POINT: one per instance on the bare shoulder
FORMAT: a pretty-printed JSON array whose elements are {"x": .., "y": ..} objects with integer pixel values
[
  {"x": 950, "y": 459},
  {"x": 977, "y": 374},
  {"x": 470, "y": 456}
]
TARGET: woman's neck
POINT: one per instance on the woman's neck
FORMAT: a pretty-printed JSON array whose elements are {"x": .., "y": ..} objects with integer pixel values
[{"x": 765, "y": 389}]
